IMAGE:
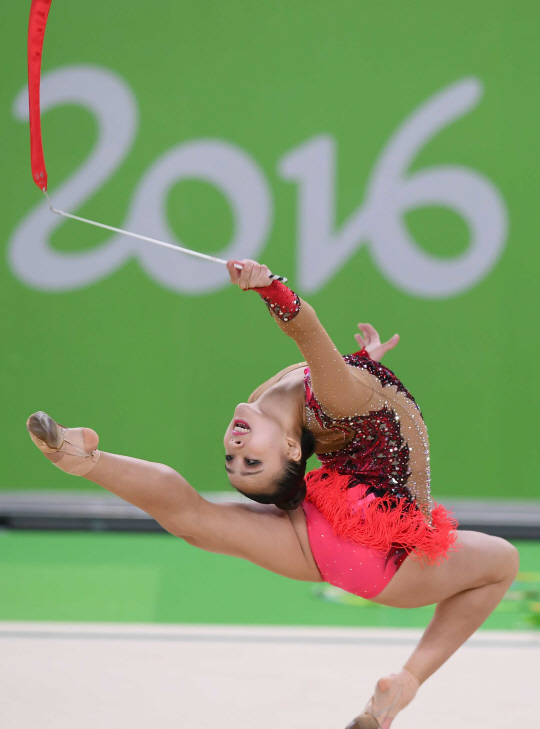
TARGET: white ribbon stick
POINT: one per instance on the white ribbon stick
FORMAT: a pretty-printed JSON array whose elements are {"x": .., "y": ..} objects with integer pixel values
[{"x": 153, "y": 240}]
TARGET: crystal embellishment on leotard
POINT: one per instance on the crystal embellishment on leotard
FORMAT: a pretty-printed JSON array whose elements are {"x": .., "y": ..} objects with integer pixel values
[
  {"x": 383, "y": 374},
  {"x": 382, "y": 451}
]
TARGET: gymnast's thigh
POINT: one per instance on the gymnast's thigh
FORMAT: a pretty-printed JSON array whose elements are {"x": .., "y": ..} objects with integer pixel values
[
  {"x": 475, "y": 562},
  {"x": 262, "y": 534}
]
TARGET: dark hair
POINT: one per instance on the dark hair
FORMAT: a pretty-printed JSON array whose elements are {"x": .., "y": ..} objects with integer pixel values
[{"x": 291, "y": 486}]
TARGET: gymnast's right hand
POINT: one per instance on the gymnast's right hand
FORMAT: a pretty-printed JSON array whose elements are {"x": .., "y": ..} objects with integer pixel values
[{"x": 253, "y": 275}]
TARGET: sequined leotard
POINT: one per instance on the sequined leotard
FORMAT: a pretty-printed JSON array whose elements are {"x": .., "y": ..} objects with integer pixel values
[{"x": 369, "y": 504}]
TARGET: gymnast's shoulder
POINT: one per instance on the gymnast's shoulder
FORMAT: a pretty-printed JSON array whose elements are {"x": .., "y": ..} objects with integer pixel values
[{"x": 256, "y": 394}]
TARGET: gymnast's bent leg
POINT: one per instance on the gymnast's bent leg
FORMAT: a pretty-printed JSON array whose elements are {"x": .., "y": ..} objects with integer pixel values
[{"x": 466, "y": 589}]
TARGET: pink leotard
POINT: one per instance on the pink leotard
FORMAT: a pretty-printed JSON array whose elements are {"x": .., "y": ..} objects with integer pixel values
[{"x": 364, "y": 571}]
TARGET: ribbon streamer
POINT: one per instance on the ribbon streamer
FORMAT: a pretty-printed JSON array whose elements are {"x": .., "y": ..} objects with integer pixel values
[{"x": 39, "y": 13}]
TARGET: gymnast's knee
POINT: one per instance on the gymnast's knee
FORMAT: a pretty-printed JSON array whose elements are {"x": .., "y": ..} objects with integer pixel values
[
  {"x": 508, "y": 559},
  {"x": 175, "y": 503}
]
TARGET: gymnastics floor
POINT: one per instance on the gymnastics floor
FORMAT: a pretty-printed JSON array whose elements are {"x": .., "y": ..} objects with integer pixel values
[
  {"x": 56, "y": 676},
  {"x": 127, "y": 631}
]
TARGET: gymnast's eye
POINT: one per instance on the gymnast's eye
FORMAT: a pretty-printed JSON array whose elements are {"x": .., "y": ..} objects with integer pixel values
[
  {"x": 250, "y": 462},
  {"x": 229, "y": 458}
]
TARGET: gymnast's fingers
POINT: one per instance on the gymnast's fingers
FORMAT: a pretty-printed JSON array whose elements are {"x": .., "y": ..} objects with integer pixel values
[
  {"x": 390, "y": 344},
  {"x": 371, "y": 335},
  {"x": 263, "y": 278},
  {"x": 360, "y": 340},
  {"x": 246, "y": 274},
  {"x": 234, "y": 273},
  {"x": 252, "y": 274}
]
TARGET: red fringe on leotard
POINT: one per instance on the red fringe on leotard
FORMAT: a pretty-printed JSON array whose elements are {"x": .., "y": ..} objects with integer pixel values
[{"x": 383, "y": 522}]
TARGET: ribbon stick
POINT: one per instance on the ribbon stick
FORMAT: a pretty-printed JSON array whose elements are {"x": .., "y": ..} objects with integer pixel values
[
  {"x": 273, "y": 276},
  {"x": 39, "y": 12}
]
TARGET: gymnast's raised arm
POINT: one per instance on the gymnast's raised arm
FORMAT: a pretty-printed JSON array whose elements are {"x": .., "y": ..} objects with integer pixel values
[{"x": 334, "y": 385}]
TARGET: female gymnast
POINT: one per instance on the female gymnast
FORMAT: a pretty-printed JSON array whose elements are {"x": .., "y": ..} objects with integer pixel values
[{"x": 363, "y": 521}]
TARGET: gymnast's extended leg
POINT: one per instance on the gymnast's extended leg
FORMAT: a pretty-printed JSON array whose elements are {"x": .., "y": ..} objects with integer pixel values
[{"x": 262, "y": 534}]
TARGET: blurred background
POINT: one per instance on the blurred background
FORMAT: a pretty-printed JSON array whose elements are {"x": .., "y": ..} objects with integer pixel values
[{"x": 382, "y": 156}]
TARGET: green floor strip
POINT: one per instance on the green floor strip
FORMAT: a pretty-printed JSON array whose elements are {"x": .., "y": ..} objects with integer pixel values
[{"x": 159, "y": 579}]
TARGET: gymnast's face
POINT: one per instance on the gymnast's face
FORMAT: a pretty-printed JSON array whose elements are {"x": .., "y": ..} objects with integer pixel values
[{"x": 256, "y": 448}]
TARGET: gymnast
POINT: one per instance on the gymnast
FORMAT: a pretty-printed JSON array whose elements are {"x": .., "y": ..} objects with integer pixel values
[{"x": 364, "y": 520}]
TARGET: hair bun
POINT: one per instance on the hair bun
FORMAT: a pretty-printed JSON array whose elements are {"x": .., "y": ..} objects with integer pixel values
[{"x": 294, "y": 501}]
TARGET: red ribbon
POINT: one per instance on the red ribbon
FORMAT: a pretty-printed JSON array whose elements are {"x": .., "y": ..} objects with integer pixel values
[{"x": 36, "y": 33}]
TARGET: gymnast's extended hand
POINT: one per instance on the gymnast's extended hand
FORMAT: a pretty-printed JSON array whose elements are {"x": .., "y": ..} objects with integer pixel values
[
  {"x": 253, "y": 275},
  {"x": 372, "y": 342}
]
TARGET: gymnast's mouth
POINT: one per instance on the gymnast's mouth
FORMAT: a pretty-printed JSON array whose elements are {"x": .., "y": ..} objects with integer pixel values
[{"x": 240, "y": 427}]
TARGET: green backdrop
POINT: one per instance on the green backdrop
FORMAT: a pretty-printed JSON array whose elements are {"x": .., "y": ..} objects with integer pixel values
[
  {"x": 383, "y": 156},
  {"x": 138, "y": 578}
]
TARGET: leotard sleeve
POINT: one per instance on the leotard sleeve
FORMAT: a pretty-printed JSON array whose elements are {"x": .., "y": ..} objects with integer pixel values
[{"x": 338, "y": 391}]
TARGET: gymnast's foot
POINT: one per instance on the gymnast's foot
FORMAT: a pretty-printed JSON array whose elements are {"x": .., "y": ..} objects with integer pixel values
[
  {"x": 392, "y": 694},
  {"x": 74, "y": 450}
]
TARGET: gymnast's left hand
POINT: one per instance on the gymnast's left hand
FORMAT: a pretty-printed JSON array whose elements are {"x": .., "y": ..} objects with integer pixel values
[
  {"x": 372, "y": 342},
  {"x": 252, "y": 276}
]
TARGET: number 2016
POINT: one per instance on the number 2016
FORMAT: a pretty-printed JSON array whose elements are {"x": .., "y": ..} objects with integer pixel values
[{"x": 321, "y": 248}]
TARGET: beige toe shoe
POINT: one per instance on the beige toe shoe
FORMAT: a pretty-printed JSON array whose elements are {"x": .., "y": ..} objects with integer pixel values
[{"x": 73, "y": 450}]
